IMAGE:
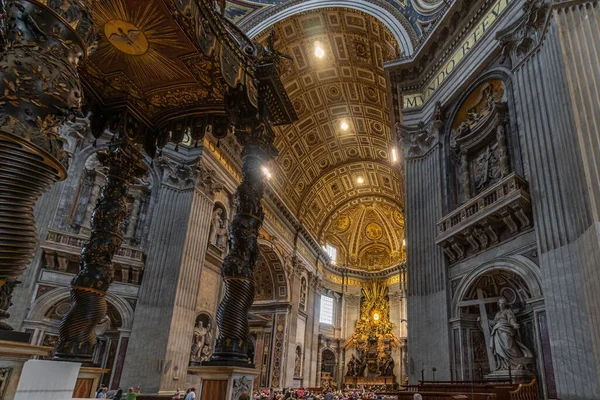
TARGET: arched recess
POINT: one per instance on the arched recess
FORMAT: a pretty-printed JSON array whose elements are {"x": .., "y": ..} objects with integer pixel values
[
  {"x": 112, "y": 333},
  {"x": 41, "y": 306},
  {"x": 271, "y": 282},
  {"x": 522, "y": 266},
  {"x": 400, "y": 32},
  {"x": 475, "y": 305}
]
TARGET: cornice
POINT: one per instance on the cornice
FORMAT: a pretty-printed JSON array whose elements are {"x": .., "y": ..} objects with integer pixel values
[
  {"x": 415, "y": 71},
  {"x": 362, "y": 274}
]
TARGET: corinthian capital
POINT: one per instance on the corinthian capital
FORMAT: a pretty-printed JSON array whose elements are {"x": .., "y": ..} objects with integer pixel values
[
  {"x": 418, "y": 140},
  {"x": 520, "y": 39},
  {"x": 177, "y": 174},
  {"x": 206, "y": 181}
]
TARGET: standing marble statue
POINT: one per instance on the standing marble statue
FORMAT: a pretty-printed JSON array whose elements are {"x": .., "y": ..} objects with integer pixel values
[
  {"x": 508, "y": 351},
  {"x": 297, "y": 363},
  {"x": 199, "y": 341},
  {"x": 216, "y": 226}
]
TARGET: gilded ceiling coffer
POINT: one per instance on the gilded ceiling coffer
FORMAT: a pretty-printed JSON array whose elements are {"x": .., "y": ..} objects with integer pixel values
[
  {"x": 41, "y": 48},
  {"x": 88, "y": 289}
]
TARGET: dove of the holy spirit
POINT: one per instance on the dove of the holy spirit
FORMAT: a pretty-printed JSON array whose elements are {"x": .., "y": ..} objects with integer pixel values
[{"x": 126, "y": 37}]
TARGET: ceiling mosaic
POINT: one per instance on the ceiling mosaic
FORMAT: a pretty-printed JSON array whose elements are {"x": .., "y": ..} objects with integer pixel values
[
  {"x": 415, "y": 16},
  {"x": 368, "y": 234},
  {"x": 323, "y": 168}
]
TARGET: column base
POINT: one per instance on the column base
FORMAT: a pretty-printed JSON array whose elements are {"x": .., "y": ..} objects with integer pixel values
[
  {"x": 224, "y": 382},
  {"x": 13, "y": 355},
  {"x": 49, "y": 380}
]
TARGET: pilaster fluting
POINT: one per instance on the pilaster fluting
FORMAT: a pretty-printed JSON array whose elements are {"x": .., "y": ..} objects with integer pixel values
[
  {"x": 233, "y": 345},
  {"x": 88, "y": 289},
  {"x": 427, "y": 288},
  {"x": 169, "y": 293},
  {"x": 41, "y": 47},
  {"x": 551, "y": 50}
]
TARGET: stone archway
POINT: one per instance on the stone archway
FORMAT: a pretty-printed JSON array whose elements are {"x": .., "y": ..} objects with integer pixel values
[
  {"x": 269, "y": 317},
  {"x": 112, "y": 332},
  {"x": 475, "y": 304}
]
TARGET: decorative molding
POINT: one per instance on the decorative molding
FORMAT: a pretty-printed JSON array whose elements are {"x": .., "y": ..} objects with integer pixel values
[
  {"x": 495, "y": 215},
  {"x": 418, "y": 141},
  {"x": 520, "y": 39}
]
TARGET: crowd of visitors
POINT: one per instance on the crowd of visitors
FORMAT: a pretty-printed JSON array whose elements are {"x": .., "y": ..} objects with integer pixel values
[
  {"x": 328, "y": 394},
  {"x": 103, "y": 393},
  {"x": 190, "y": 394}
]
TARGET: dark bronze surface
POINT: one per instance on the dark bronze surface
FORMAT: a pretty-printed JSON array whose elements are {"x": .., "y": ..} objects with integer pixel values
[
  {"x": 88, "y": 289},
  {"x": 40, "y": 90}
]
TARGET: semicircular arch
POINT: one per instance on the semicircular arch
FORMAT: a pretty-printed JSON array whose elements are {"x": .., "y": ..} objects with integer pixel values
[
  {"x": 520, "y": 265},
  {"x": 395, "y": 21},
  {"x": 45, "y": 302}
]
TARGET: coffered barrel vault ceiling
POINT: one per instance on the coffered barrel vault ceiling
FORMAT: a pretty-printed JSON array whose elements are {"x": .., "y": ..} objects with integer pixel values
[
  {"x": 324, "y": 172},
  {"x": 409, "y": 20}
]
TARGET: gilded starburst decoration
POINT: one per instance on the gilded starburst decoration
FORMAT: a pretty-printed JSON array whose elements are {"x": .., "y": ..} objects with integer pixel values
[{"x": 138, "y": 38}]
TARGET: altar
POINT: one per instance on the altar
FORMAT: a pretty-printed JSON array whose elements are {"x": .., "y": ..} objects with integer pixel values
[{"x": 371, "y": 362}]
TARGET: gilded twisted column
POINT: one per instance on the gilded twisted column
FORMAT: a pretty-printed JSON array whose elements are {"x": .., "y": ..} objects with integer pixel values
[
  {"x": 88, "y": 289},
  {"x": 39, "y": 88},
  {"x": 233, "y": 346}
]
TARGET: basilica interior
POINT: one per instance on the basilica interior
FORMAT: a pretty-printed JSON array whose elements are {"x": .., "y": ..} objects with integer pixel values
[{"x": 392, "y": 196}]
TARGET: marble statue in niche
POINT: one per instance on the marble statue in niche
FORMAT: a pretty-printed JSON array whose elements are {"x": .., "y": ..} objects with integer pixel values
[
  {"x": 508, "y": 350},
  {"x": 218, "y": 228},
  {"x": 298, "y": 362},
  {"x": 201, "y": 343},
  {"x": 303, "y": 289}
]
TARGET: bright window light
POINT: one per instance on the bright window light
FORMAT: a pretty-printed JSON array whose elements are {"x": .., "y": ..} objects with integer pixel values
[
  {"x": 326, "y": 314},
  {"x": 266, "y": 172},
  {"x": 319, "y": 52},
  {"x": 331, "y": 252}
]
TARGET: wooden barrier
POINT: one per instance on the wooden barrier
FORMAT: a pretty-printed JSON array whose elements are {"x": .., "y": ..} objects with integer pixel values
[
  {"x": 501, "y": 389},
  {"x": 442, "y": 396},
  {"x": 526, "y": 391}
]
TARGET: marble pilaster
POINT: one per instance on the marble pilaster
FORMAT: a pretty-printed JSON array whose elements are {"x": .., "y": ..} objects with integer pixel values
[
  {"x": 428, "y": 336},
  {"x": 292, "y": 327},
  {"x": 556, "y": 90},
  {"x": 159, "y": 349}
]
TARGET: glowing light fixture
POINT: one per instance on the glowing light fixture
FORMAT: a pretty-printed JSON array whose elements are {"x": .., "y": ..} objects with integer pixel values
[
  {"x": 394, "y": 155},
  {"x": 404, "y": 242},
  {"x": 319, "y": 52},
  {"x": 266, "y": 172},
  {"x": 376, "y": 317},
  {"x": 344, "y": 126},
  {"x": 360, "y": 180}
]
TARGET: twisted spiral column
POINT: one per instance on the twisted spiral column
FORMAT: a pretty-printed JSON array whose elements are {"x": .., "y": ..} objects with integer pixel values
[
  {"x": 233, "y": 346},
  {"x": 25, "y": 173},
  {"x": 40, "y": 46},
  {"x": 88, "y": 289}
]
